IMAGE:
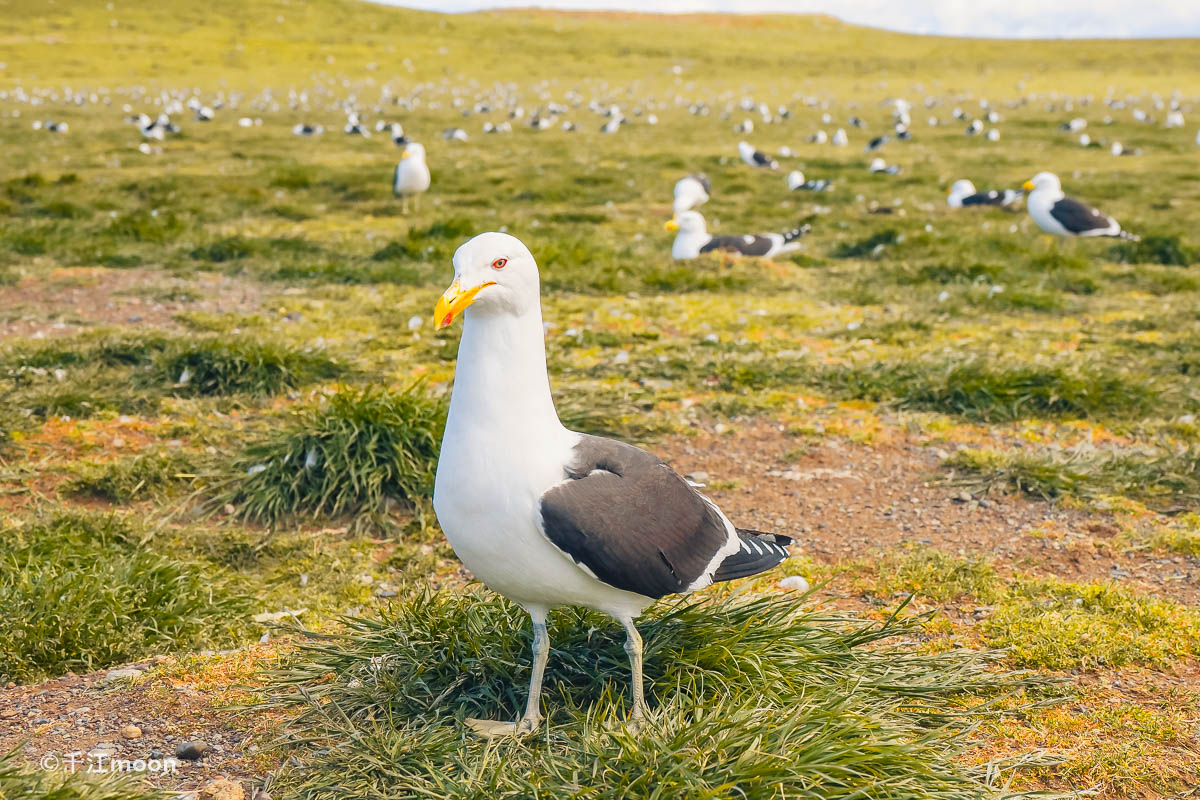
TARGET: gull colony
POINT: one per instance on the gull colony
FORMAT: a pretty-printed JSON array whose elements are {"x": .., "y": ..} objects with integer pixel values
[{"x": 541, "y": 514}]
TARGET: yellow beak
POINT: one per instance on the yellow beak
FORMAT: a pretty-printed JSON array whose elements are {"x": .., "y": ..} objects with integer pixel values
[
  {"x": 1027, "y": 186},
  {"x": 671, "y": 224},
  {"x": 405, "y": 154},
  {"x": 455, "y": 301}
]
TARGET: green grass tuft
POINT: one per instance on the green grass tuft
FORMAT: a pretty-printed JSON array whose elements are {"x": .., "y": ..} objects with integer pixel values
[
  {"x": 755, "y": 698},
  {"x": 81, "y": 592},
  {"x": 148, "y": 475},
  {"x": 1164, "y": 477},
  {"x": 232, "y": 366},
  {"x": 1168, "y": 250},
  {"x": 980, "y": 390},
  {"x": 871, "y": 247},
  {"x": 349, "y": 453}
]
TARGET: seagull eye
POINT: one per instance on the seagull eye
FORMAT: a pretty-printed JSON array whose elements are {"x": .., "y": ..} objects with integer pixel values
[{"x": 499, "y": 263}]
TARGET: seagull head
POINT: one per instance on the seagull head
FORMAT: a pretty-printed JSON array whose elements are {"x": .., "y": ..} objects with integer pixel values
[
  {"x": 494, "y": 273},
  {"x": 1046, "y": 181},
  {"x": 686, "y": 222},
  {"x": 414, "y": 150}
]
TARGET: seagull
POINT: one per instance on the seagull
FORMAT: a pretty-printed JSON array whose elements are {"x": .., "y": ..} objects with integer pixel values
[
  {"x": 454, "y": 135},
  {"x": 549, "y": 517},
  {"x": 878, "y": 165},
  {"x": 756, "y": 158},
  {"x": 1060, "y": 215},
  {"x": 308, "y": 130},
  {"x": 397, "y": 133},
  {"x": 411, "y": 177},
  {"x": 796, "y": 182},
  {"x": 692, "y": 191},
  {"x": 693, "y": 239},
  {"x": 963, "y": 193},
  {"x": 876, "y": 143},
  {"x": 840, "y": 139}
]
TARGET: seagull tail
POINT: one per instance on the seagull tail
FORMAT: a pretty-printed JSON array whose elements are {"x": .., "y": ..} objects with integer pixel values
[
  {"x": 796, "y": 233},
  {"x": 1132, "y": 237},
  {"x": 758, "y": 553}
]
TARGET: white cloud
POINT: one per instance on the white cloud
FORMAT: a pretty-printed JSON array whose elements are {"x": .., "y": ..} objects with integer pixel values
[{"x": 1008, "y": 18}]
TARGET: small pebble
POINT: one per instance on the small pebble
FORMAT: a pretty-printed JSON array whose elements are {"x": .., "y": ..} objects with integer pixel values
[
  {"x": 191, "y": 751},
  {"x": 131, "y": 732}
]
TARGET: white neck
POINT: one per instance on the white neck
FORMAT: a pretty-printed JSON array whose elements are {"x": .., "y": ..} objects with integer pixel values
[
  {"x": 500, "y": 382},
  {"x": 687, "y": 245}
]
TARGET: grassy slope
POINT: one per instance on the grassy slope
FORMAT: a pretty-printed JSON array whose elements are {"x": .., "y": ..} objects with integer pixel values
[
  {"x": 310, "y": 225},
  {"x": 260, "y": 43}
]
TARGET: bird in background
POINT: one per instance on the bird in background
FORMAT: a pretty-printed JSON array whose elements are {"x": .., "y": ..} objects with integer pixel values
[
  {"x": 692, "y": 239},
  {"x": 411, "y": 178},
  {"x": 1057, "y": 214}
]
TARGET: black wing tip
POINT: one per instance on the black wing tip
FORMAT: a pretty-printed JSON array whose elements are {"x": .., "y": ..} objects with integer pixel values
[
  {"x": 759, "y": 552},
  {"x": 797, "y": 232}
]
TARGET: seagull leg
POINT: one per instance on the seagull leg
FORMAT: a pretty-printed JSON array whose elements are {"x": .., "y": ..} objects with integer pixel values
[
  {"x": 633, "y": 647},
  {"x": 528, "y": 723}
]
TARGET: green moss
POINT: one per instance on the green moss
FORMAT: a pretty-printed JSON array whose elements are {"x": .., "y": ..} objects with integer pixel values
[{"x": 1054, "y": 624}]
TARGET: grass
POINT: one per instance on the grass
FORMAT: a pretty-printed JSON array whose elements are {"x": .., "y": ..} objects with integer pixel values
[
  {"x": 352, "y": 452},
  {"x": 1055, "y": 624},
  {"x": 984, "y": 391},
  {"x": 144, "y": 476},
  {"x": 1045, "y": 623},
  {"x": 1165, "y": 478},
  {"x": 80, "y": 592},
  {"x": 812, "y": 704},
  {"x": 17, "y": 780},
  {"x": 220, "y": 367}
]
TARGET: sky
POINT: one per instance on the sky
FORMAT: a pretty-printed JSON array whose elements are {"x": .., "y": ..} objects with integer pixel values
[{"x": 996, "y": 18}]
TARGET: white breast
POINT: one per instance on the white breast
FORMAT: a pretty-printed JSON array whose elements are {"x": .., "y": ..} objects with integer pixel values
[
  {"x": 487, "y": 498},
  {"x": 1039, "y": 204},
  {"x": 412, "y": 176}
]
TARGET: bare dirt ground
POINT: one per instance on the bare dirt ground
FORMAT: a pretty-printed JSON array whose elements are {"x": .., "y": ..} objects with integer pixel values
[
  {"x": 68, "y": 299},
  {"x": 838, "y": 499},
  {"x": 841, "y": 500}
]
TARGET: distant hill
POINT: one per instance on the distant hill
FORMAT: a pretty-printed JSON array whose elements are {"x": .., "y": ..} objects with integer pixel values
[{"x": 254, "y": 43}]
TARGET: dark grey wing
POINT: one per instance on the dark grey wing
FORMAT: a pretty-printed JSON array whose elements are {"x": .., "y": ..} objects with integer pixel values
[
  {"x": 631, "y": 520},
  {"x": 746, "y": 245},
  {"x": 1078, "y": 217},
  {"x": 983, "y": 199},
  {"x": 396, "y": 180},
  {"x": 705, "y": 182},
  {"x": 762, "y": 159}
]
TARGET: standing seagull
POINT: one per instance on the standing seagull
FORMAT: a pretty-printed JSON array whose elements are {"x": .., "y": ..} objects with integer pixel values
[
  {"x": 756, "y": 158},
  {"x": 546, "y": 516},
  {"x": 411, "y": 177},
  {"x": 692, "y": 191},
  {"x": 693, "y": 239},
  {"x": 1060, "y": 215}
]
